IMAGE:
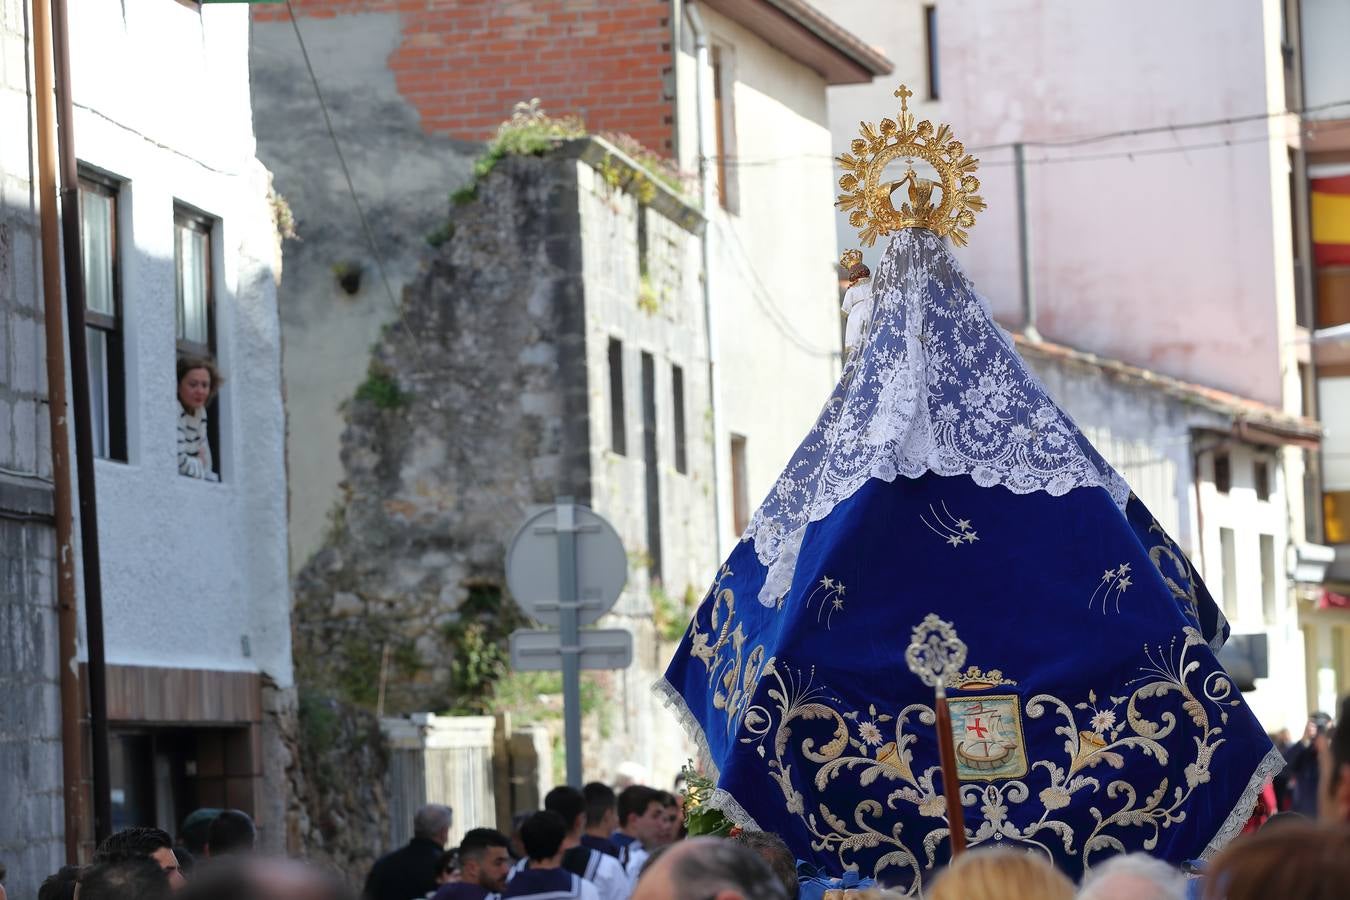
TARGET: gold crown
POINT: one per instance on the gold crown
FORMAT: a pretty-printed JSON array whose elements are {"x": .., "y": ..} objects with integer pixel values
[
  {"x": 850, "y": 258},
  {"x": 976, "y": 679},
  {"x": 867, "y": 199}
]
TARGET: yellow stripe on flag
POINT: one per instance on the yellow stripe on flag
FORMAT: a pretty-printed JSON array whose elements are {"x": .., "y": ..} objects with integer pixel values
[{"x": 1330, "y": 218}]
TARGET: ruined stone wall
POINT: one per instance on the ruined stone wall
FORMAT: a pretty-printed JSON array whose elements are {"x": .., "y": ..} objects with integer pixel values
[{"x": 489, "y": 395}]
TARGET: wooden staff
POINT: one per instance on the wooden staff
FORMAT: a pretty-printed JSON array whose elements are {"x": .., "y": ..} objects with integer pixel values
[
  {"x": 934, "y": 654},
  {"x": 951, "y": 783}
]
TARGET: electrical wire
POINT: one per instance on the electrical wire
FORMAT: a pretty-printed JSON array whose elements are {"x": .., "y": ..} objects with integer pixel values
[
  {"x": 750, "y": 162},
  {"x": 763, "y": 296},
  {"x": 351, "y": 187}
]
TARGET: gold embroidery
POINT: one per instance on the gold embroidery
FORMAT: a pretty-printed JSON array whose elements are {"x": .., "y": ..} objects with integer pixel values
[
  {"x": 874, "y": 749},
  {"x": 732, "y": 676}
]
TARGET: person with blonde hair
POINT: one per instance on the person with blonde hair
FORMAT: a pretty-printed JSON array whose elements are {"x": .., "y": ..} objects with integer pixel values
[{"x": 1001, "y": 874}]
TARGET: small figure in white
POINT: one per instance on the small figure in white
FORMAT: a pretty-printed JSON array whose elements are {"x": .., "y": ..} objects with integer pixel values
[{"x": 857, "y": 303}]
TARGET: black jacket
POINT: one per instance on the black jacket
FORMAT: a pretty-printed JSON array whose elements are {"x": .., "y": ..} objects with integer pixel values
[{"x": 408, "y": 873}]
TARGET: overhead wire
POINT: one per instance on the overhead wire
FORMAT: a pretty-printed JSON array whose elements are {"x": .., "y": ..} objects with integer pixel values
[
  {"x": 369, "y": 233},
  {"x": 763, "y": 296},
  {"x": 749, "y": 162}
]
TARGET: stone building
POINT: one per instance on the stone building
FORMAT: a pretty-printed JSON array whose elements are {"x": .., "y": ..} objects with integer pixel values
[
  {"x": 552, "y": 345},
  {"x": 180, "y": 249},
  {"x": 1166, "y": 234}
]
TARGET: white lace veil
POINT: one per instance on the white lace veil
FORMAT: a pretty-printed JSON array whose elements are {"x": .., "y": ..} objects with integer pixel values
[{"x": 935, "y": 386}]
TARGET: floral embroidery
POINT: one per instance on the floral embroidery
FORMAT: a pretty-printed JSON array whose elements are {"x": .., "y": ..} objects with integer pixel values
[{"x": 810, "y": 739}]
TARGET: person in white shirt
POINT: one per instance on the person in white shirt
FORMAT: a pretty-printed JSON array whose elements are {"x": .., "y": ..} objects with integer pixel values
[
  {"x": 595, "y": 866},
  {"x": 198, "y": 381},
  {"x": 642, "y": 827}
]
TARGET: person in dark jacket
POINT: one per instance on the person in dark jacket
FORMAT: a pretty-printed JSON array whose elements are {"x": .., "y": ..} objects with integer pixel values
[
  {"x": 1304, "y": 767},
  {"x": 409, "y": 873}
]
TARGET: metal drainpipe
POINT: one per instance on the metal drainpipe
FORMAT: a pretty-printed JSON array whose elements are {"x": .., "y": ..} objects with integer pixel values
[
  {"x": 72, "y": 769},
  {"x": 709, "y": 202},
  {"x": 1024, "y": 246},
  {"x": 84, "y": 434}
]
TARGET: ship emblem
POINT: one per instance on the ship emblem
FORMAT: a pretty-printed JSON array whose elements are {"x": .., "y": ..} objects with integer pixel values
[{"x": 987, "y": 732}]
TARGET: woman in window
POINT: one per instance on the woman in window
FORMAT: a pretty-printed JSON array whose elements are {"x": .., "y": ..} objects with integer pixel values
[{"x": 198, "y": 381}]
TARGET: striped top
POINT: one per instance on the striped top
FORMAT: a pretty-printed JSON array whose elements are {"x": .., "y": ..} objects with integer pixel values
[{"x": 194, "y": 451}]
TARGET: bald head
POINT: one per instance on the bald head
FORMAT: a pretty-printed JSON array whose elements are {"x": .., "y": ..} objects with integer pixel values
[{"x": 704, "y": 868}]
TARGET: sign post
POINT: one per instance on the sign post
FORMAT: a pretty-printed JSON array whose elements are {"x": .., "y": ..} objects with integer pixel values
[{"x": 566, "y": 567}]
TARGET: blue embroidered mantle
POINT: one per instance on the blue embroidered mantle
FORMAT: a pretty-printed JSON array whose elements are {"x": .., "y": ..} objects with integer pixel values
[{"x": 1092, "y": 718}]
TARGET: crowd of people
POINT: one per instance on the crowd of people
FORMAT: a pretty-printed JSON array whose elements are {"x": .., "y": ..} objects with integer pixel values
[{"x": 596, "y": 844}]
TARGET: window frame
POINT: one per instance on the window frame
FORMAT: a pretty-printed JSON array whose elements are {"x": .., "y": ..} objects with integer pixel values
[
  {"x": 185, "y": 217},
  {"x": 930, "y": 46},
  {"x": 193, "y": 219},
  {"x": 111, "y": 327},
  {"x": 679, "y": 433},
  {"x": 1223, "y": 472},
  {"x": 618, "y": 416}
]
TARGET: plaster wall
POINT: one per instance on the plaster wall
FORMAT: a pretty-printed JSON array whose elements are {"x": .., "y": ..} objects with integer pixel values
[
  {"x": 1279, "y": 701},
  {"x": 1169, "y": 250},
  {"x": 403, "y": 177},
  {"x": 194, "y": 573},
  {"x": 775, "y": 295}
]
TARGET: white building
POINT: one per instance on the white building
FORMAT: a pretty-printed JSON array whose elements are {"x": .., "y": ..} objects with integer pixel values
[
  {"x": 773, "y": 263},
  {"x": 180, "y": 250},
  {"x": 1157, "y": 175}
]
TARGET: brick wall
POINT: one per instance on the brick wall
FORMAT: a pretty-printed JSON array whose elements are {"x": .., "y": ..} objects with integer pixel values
[{"x": 464, "y": 63}]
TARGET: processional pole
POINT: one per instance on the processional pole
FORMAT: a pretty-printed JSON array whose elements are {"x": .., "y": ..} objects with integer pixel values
[{"x": 935, "y": 654}]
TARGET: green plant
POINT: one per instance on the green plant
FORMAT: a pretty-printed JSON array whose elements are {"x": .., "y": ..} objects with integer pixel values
[
  {"x": 282, "y": 217},
  {"x": 465, "y": 195},
  {"x": 478, "y": 641},
  {"x": 441, "y": 235},
  {"x": 670, "y": 617},
  {"x": 648, "y": 300},
  {"x": 700, "y": 817},
  {"x": 381, "y": 389}
]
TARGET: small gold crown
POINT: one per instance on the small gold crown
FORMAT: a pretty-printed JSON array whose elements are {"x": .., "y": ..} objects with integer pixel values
[
  {"x": 976, "y": 679},
  {"x": 850, "y": 258},
  {"x": 867, "y": 199}
]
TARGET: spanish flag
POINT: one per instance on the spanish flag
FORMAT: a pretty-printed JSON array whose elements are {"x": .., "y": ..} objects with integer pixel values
[{"x": 1331, "y": 220}]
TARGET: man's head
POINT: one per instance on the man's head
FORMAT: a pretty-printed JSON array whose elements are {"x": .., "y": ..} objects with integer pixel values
[
  {"x": 775, "y": 853},
  {"x": 60, "y": 886},
  {"x": 708, "y": 869},
  {"x": 1336, "y": 803},
  {"x": 642, "y": 814},
  {"x": 432, "y": 823},
  {"x": 569, "y": 803},
  {"x": 139, "y": 842},
  {"x": 670, "y": 818},
  {"x": 192, "y": 833},
  {"x": 485, "y": 858},
  {"x": 231, "y": 832},
  {"x": 262, "y": 878},
  {"x": 542, "y": 836},
  {"x": 1134, "y": 876},
  {"x": 139, "y": 878},
  {"x": 602, "y": 809}
]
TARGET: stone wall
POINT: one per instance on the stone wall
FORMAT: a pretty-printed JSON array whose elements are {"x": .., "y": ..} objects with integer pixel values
[
  {"x": 489, "y": 395},
  {"x": 32, "y": 825},
  {"x": 474, "y": 408}
]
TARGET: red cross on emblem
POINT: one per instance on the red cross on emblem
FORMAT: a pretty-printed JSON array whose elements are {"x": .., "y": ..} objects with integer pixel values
[{"x": 980, "y": 730}]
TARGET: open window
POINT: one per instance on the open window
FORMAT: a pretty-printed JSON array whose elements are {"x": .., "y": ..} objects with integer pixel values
[{"x": 196, "y": 332}]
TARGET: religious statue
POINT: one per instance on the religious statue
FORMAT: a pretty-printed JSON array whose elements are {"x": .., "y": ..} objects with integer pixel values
[
  {"x": 944, "y": 518},
  {"x": 857, "y": 305}
]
